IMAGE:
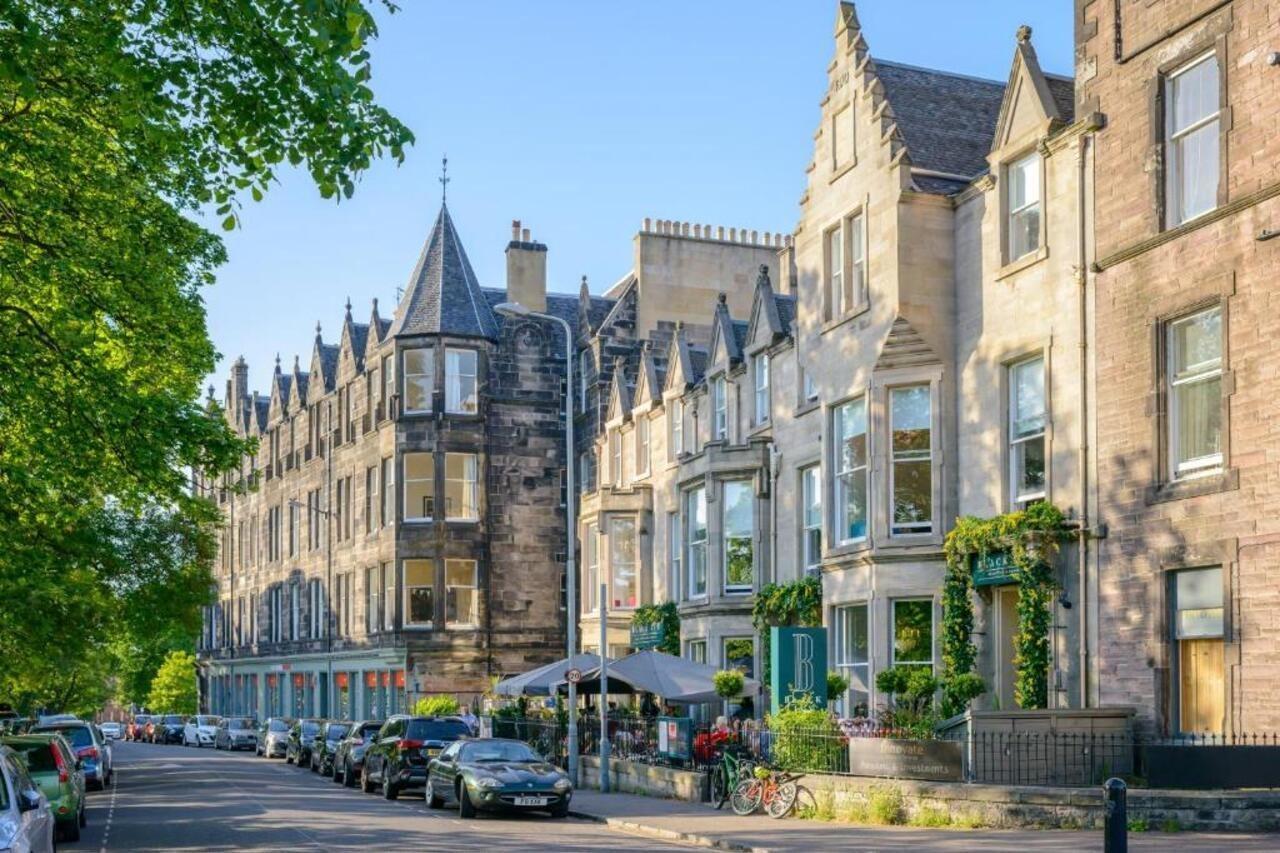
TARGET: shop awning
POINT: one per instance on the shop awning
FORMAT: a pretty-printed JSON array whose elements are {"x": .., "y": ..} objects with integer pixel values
[
  {"x": 545, "y": 679},
  {"x": 674, "y": 679}
]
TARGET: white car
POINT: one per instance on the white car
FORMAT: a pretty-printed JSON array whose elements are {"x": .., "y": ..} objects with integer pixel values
[
  {"x": 200, "y": 730},
  {"x": 26, "y": 821},
  {"x": 112, "y": 730}
]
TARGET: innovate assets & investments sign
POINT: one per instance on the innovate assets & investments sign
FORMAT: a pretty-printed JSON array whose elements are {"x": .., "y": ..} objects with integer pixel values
[
  {"x": 797, "y": 665},
  {"x": 933, "y": 760}
]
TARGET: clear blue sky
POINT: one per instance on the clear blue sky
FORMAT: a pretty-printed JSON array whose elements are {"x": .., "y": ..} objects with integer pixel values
[{"x": 579, "y": 118}]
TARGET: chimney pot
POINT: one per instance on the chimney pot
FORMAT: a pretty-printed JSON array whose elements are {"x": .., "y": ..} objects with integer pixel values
[
  {"x": 515, "y": 229},
  {"x": 524, "y": 235}
]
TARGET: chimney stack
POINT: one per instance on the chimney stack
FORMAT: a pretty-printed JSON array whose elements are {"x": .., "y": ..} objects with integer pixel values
[
  {"x": 239, "y": 390},
  {"x": 526, "y": 269}
]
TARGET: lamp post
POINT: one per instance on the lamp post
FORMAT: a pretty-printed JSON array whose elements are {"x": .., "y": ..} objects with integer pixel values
[{"x": 515, "y": 309}]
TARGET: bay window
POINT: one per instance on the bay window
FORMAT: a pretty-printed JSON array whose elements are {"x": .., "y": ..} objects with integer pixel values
[
  {"x": 695, "y": 531},
  {"x": 738, "y": 536},
  {"x": 1195, "y": 393},
  {"x": 461, "y": 590},
  {"x": 419, "y": 593},
  {"x": 623, "y": 583},
  {"x": 1027, "y": 456},
  {"x": 850, "y": 430},
  {"x": 853, "y": 658},
  {"x": 913, "y": 632},
  {"x": 419, "y": 380},
  {"x": 1192, "y": 107},
  {"x": 460, "y": 395},
  {"x": 591, "y": 564},
  {"x": 419, "y": 486},
  {"x": 911, "y": 472},
  {"x": 461, "y": 487}
]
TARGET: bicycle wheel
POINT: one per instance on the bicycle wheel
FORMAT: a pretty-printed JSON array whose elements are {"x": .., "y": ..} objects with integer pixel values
[
  {"x": 719, "y": 787},
  {"x": 782, "y": 801},
  {"x": 747, "y": 796}
]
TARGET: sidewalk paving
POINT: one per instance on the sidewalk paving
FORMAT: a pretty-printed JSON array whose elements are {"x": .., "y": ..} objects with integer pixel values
[{"x": 699, "y": 824}]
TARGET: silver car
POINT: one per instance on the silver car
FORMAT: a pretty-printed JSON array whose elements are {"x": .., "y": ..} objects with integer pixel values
[
  {"x": 112, "y": 730},
  {"x": 26, "y": 821},
  {"x": 273, "y": 737},
  {"x": 236, "y": 733}
]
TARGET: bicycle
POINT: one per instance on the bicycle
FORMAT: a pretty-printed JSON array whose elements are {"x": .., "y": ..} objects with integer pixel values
[
  {"x": 773, "y": 790},
  {"x": 731, "y": 769}
]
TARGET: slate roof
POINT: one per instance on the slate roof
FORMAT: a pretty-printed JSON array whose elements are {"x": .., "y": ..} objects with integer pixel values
[
  {"x": 329, "y": 361},
  {"x": 560, "y": 305},
  {"x": 359, "y": 340},
  {"x": 698, "y": 364},
  {"x": 740, "y": 328},
  {"x": 443, "y": 296},
  {"x": 786, "y": 310},
  {"x": 303, "y": 379},
  {"x": 1063, "y": 90},
  {"x": 946, "y": 120},
  {"x": 261, "y": 408}
]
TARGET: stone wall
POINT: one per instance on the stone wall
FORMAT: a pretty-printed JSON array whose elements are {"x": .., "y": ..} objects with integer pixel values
[{"x": 632, "y": 778}]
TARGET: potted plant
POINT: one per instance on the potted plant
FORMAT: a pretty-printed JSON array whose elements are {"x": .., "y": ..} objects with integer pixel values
[{"x": 728, "y": 683}]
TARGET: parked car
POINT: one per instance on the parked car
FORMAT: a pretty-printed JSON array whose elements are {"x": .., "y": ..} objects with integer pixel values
[
  {"x": 199, "y": 730},
  {"x": 496, "y": 774},
  {"x": 397, "y": 761},
  {"x": 348, "y": 760},
  {"x": 49, "y": 761},
  {"x": 26, "y": 821},
  {"x": 136, "y": 729},
  {"x": 149, "y": 729},
  {"x": 111, "y": 730},
  {"x": 90, "y": 748},
  {"x": 168, "y": 728},
  {"x": 326, "y": 745},
  {"x": 302, "y": 735},
  {"x": 273, "y": 737},
  {"x": 236, "y": 733}
]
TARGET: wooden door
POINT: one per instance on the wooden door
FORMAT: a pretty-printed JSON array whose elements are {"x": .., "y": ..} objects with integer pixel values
[
  {"x": 1006, "y": 600},
  {"x": 1202, "y": 686}
]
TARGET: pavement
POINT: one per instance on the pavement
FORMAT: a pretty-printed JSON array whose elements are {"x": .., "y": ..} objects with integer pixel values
[
  {"x": 172, "y": 798},
  {"x": 674, "y": 821}
]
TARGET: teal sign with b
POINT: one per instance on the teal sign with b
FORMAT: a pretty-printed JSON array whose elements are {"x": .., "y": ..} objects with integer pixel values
[{"x": 797, "y": 665}]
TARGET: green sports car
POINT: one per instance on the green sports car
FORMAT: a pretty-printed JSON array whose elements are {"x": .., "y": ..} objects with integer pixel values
[{"x": 495, "y": 774}]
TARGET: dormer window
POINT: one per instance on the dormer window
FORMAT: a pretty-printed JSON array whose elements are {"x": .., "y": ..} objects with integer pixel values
[
  {"x": 615, "y": 458},
  {"x": 675, "y": 420},
  {"x": 419, "y": 380},
  {"x": 1023, "y": 226},
  {"x": 642, "y": 446},
  {"x": 719, "y": 409},
  {"x": 760, "y": 377},
  {"x": 460, "y": 396}
]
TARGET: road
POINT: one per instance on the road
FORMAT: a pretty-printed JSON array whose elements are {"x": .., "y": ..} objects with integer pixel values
[{"x": 185, "y": 799}]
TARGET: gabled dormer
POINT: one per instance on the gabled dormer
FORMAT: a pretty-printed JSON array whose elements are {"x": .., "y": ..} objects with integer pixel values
[
  {"x": 298, "y": 387},
  {"x": 281, "y": 384},
  {"x": 648, "y": 391},
  {"x": 378, "y": 329},
  {"x": 1035, "y": 103},
  {"x": 726, "y": 344},
  {"x": 324, "y": 368},
  {"x": 771, "y": 315},
  {"x": 351, "y": 347},
  {"x": 681, "y": 375},
  {"x": 620, "y": 397}
]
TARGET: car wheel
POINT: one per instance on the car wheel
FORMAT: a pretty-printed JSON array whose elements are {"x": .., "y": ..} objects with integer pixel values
[
  {"x": 287, "y": 759},
  {"x": 84, "y": 818},
  {"x": 389, "y": 789},
  {"x": 366, "y": 784},
  {"x": 337, "y": 774},
  {"x": 72, "y": 833},
  {"x": 560, "y": 810},
  {"x": 465, "y": 807},
  {"x": 433, "y": 799},
  {"x": 348, "y": 781}
]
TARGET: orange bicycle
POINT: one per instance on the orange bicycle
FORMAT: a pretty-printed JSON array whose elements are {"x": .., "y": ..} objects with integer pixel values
[{"x": 774, "y": 791}]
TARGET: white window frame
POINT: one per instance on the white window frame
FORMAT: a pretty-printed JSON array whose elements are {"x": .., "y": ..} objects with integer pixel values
[
  {"x": 469, "y": 485},
  {"x": 584, "y": 362},
  {"x": 642, "y": 445},
  {"x": 429, "y": 362},
  {"x": 843, "y": 475},
  {"x": 1028, "y": 164},
  {"x": 760, "y": 380},
  {"x": 1017, "y": 441},
  {"x": 914, "y": 528},
  {"x": 461, "y": 381},
  {"x": 388, "y": 580},
  {"x": 372, "y": 595},
  {"x": 696, "y": 650},
  {"x": 675, "y": 551},
  {"x": 474, "y": 620},
  {"x": 810, "y": 516},
  {"x": 1174, "y": 138},
  {"x": 933, "y": 632},
  {"x": 750, "y": 537},
  {"x": 408, "y": 593},
  {"x": 720, "y": 408},
  {"x": 692, "y": 545},
  {"x": 615, "y": 457},
  {"x": 634, "y": 564},
  {"x": 675, "y": 420},
  {"x": 591, "y": 568},
  {"x": 406, "y": 480},
  {"x": 388, "y": 507},
  {"x": 1192, "y": 375},
  {"x": 842, "y": 617},
  {"x": 834, "y": 239}
]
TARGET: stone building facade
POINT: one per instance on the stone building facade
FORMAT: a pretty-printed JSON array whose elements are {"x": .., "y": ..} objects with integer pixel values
[
  {"x": 1185, "y": 271},
  {"x": 400, "y": 530}
]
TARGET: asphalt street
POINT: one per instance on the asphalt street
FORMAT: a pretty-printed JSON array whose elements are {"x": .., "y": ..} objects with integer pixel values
[{"x": 181, "y": 798}]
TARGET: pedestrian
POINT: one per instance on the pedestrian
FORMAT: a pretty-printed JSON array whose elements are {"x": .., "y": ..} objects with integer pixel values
[{"x": 468, "y": 717}]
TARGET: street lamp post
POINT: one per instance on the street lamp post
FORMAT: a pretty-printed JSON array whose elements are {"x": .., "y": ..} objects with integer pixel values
[{"x": 515, "y": 309}]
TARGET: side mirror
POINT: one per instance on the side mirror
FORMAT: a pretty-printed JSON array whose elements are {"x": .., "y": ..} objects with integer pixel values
[{"x": 28, "y": 801}]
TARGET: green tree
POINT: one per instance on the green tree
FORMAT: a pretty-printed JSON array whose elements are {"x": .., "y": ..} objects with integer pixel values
[
  {"x": 173, "y": 690},
  {"x": 120, "y": 121}
]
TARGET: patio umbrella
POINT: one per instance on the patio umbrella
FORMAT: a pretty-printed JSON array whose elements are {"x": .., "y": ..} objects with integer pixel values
[
  {"x": 674, "y": 679},
  {"x": 544, "y": 680}
]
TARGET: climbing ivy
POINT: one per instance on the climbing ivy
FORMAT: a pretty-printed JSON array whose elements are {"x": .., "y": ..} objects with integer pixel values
[
  {"x": 1031, "y": 537},
  {"x": 668, "y": 616},
  {"x": 798, "y": 603}
]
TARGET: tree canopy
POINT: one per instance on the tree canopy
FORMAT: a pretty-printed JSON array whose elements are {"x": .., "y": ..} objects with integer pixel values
[
  {"x": 120, "y": 122},
  {"x": 173, "y": 690}
]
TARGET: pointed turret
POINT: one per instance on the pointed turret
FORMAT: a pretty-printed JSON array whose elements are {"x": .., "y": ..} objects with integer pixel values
[{"x": 443, "y": 296}]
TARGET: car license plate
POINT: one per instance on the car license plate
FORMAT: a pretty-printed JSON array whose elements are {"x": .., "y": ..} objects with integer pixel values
[
  {"x": 430, "y": 753},
  {"x": 531, "y": 801}
]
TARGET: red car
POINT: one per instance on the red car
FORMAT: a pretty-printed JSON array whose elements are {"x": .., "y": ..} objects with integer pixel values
[{"x": 136, "y": 729}]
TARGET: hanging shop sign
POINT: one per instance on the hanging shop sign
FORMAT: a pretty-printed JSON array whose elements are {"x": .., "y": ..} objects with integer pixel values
[
  {"x": 797, "y": 665},
  {"x": 994, "y": 568},
  {"x": 647, "y": 636}
]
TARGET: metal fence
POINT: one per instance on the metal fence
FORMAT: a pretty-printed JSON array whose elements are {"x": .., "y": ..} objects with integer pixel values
[{"x": 1054, "y": 759}]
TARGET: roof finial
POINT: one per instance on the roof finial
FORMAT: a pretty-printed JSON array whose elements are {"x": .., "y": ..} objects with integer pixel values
[
  {"x": 296, "y": 366},
  {"x": 722, "y": 297},
  {"x": 348, "y": 307},
  {"x": 210, "y": 389},
  {"x": 1024, "y": 34},
  {"x": 277, "y": 361},
  {"x": 318, "y": 330},
  {"x": 444, "y": 179}
]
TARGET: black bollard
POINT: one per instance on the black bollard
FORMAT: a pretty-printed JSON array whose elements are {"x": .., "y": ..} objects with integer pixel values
[{"x": 1115, "y": 825}]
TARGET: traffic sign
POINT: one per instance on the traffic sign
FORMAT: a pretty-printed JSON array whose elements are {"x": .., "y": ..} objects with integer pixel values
[{"x": 573, "y": 676}]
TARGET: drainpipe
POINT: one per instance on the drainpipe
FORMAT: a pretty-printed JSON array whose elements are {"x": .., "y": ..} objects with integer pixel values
[{"x": 1082, "y": 287}]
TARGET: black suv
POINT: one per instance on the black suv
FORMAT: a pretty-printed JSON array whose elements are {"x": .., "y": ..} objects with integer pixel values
[
  {"x": 397, "y": 760},
  {"x": 348, "y": 761},
  {"x": 169, "y": 728},
  {"x": 297, "y": 749}
]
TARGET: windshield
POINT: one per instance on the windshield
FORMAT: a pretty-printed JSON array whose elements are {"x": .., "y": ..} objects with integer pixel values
[
  {"x": 436, "y": 730},
  {"x": 278, "y": 726},
  {"x": 206, "y": 721},
  {"x": 78, "y": 735},
  {"x": 141, "y": 719},
  {"x": 369, "y": 730},
  {"x": 240, "y": 723},
  {"x": 498, "y": 750},
  {"x": 310, "y": 728},
  {"x": 334, "y": 732},
  {"x": 173, "y": 720},
  {"x": 37, "y": 756}
]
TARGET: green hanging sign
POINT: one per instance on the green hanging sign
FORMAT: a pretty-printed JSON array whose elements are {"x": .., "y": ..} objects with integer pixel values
[
  {"x": 797, "y": 665},
  {"x": 647, "y": 636},
  {"x": 994, "y": 568}
]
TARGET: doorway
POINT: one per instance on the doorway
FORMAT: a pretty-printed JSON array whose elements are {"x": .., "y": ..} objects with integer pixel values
[{"x": 1006, "y": 607}]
